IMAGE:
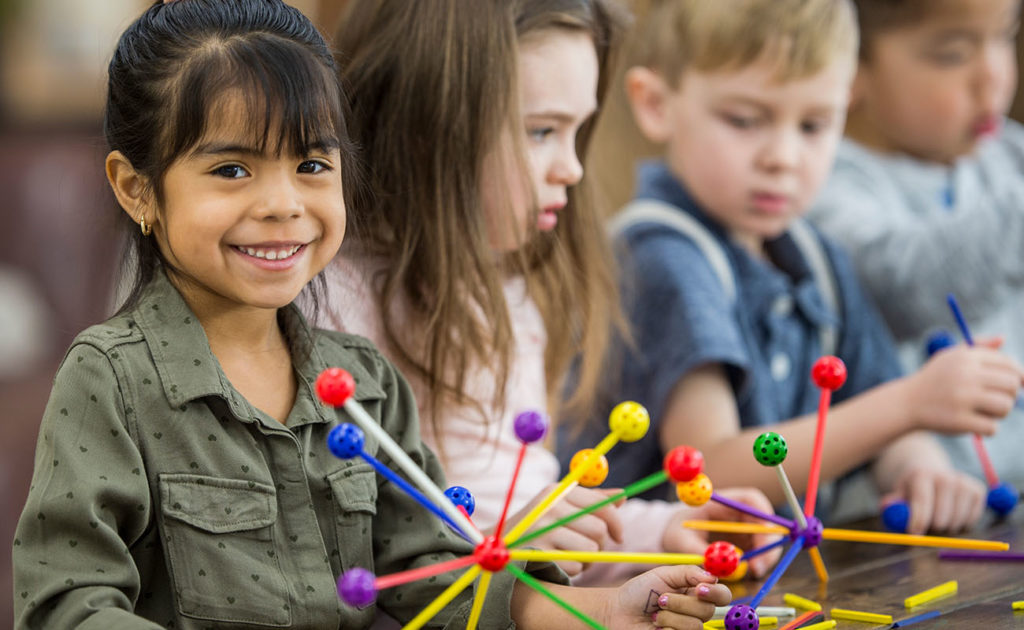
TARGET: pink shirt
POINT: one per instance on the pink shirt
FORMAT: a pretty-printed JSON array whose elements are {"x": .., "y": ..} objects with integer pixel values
[{"x": 481, "y": 456}]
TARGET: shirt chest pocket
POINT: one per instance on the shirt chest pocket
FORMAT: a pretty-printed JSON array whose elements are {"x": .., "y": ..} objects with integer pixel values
[
  {"x": 220, "y": 549},
  {"x": 354, "y": 490}
]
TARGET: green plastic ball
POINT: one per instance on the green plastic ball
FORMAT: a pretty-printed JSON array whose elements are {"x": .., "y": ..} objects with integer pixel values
[{"x": 770, "y": 449}]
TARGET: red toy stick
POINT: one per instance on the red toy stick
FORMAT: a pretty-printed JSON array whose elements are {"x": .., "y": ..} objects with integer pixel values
[{"x": 829, "y": 373}]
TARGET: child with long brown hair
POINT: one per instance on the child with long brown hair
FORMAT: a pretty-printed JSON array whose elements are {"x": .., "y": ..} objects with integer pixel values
[{"x": 485, "y": 261}]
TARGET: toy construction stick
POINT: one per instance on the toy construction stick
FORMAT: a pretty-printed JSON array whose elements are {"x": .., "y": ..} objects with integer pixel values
[
  {"x": 942, "y": 590},
  {"x": 852, "y": 535},
  {"x": 335, "y": 387},
  {"x": 530, "y": 581},
  {"x": 857, "y": 615},
  {"x": 419, "y": 573},
  {"x": 478, "y": 600},
  {"x": 443, "y": 599},
  {"x": 632, "y": 489},
  {"x": 729, "y": 527},
  {"x": 605, "y": 556}
]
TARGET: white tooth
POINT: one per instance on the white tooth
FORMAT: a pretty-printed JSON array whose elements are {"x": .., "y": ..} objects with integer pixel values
[{"x": 250, "y": 251}]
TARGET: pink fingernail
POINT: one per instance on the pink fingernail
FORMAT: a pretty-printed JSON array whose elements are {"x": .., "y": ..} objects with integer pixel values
[
  {"x": 663, "y": 600},
  {"x": 703, "y": 589},
  {"x": 654, "y": 616}
]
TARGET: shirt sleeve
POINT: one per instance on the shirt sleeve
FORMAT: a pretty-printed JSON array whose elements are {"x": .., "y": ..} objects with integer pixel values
[
  {"x": 407, "y": 536},
  {"x": 89, "y": 501},
  {"x": 680, "y": 315},
  {"x": 909, "y": 261}
]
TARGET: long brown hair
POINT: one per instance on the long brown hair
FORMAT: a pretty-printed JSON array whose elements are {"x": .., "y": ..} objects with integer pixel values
[{"x": 434, "y": 90}]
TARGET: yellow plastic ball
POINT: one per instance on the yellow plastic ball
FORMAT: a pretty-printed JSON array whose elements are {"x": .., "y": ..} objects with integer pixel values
[
  {"x": 629, "y": 421},
  {"x": 739, "y": 573},
  {"x": 597, "y": 472},
  {"x": 695, "y": 492}
]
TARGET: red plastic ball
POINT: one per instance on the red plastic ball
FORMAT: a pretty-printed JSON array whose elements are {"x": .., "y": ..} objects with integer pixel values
[
  {"x": 335, "y": 386},
  {"x": 491, "y": 554},
  {"x": 721, "y": 558},
  {"x": 683, "y": 463},
  {"x": 829, "y": 373}
]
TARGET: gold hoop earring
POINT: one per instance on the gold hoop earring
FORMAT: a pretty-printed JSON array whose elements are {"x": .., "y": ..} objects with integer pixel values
[{"x": 146, "y": 229}]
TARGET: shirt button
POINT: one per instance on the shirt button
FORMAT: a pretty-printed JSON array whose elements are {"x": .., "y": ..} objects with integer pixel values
[
  {"x": 782, "y": 306},
  {"x": 780, "y": 367}
]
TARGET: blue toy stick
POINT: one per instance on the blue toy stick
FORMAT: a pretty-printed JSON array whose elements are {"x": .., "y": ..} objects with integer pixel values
[
  {"x": 756, "y": 552},
  {"x": 391, "y": 476},
  {"x": 780, "y": 568}
]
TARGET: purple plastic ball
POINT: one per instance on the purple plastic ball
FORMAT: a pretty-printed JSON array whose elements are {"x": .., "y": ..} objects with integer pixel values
[
  {"x": 531, "y": 426},
  {"x": 356, "y": 587},
  {"x": 812, "y": 535},
  {"x": 461, "y": 496},
  {"x": 346, "y": 441},
  {"x": 742, "y": 617},
  {"x": 1002, "y": 499}
]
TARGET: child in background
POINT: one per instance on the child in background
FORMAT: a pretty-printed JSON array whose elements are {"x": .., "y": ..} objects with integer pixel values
[
  {"x": 182, "y": 478},
  {"x": 749, "y": 98},
  {"x": 927, "y": 192},
  {"x": 486, "y": 264}
]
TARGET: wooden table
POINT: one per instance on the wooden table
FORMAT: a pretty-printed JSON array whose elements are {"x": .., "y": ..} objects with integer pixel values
[{"x": 877, "y": 578}]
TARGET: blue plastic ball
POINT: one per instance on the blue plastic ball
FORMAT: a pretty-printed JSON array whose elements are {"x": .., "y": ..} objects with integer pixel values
[
  {"x": 461, "y": 496},
  {"x": 939, "y": 340},
  {"x": 346, "y": 441},
  {"x": 1002, "y": 499},
  {"x": 896, "y": 516}
]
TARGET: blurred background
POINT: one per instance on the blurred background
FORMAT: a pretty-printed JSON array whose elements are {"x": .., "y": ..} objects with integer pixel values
[{"x": 58, "y": 253}]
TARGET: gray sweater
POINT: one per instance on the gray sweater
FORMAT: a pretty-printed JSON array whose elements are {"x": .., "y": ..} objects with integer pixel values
[{"x": 918, "y": 231}]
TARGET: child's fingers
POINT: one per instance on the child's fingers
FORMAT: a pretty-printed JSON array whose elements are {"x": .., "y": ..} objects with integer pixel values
[
  {"x": 969, "y": 502},
  {"x": 608, "y": 515},
  {"x": 667, "y": 619},
  {"x": 571, "y": 567},
  {"x": 592, "y": 527},
  {"x": 942, "y": 513},
  {"x": 921, "y": 499},
  {"x": 685, "y": 605}
]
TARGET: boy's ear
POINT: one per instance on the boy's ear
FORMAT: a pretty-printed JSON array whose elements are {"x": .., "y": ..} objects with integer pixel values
[
  {"x": 130, "y": 187},
  {"x": 648, "y": 95}
]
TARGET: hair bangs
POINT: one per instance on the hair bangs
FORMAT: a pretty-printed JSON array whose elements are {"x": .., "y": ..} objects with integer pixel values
[{"x": 290, "y": 103}]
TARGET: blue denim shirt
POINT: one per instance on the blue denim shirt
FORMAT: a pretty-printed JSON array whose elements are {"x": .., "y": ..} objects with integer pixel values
[{"x": 767, "y": 338}]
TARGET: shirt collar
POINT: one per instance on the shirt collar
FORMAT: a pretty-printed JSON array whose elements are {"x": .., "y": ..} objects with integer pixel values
[{"x": 188, "y": 369}]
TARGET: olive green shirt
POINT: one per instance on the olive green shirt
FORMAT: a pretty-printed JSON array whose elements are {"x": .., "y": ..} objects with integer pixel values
[{"x": 162, "y": 498}]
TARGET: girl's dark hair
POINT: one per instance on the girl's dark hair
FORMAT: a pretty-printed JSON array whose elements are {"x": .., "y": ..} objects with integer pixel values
[{"x": 175, "y": 63}]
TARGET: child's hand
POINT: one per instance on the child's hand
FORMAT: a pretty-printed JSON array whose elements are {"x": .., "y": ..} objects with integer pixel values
[
  {"x": 940, "y": 499},
  {"x": 964, "y": 389},
  {"x": 587, "y": 533},
  {"x": 680, "y": 540},
  {"x": 666, "y": 597}
]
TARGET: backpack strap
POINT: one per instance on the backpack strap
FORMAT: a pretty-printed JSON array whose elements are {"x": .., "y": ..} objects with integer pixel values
[
  {"x": 653, "y": 211},
  {"x": 813, "y": 250}
]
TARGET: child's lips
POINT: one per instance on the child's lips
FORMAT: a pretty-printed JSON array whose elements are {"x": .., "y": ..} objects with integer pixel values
[
  {"x": 987, "y": 125},
  {"x": 771, "y": 203}
]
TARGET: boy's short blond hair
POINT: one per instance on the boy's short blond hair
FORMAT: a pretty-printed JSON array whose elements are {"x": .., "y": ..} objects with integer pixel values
[{"x": 803, "y": 36}]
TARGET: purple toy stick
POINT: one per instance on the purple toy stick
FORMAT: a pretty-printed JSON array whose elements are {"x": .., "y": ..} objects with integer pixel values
[{"x": 746, "y": 509}]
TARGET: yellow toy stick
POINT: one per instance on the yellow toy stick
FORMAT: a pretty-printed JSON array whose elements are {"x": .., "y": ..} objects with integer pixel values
[
  {"x": 852, "y": 535},
  {"x": 857, "y": 615},
  {"x": 932, "y": 594},
  {"x": 796, "y": 601},
  {"x": 605, "y": 556},
  {"x": 819, "y": 564},
  {"x": 442, "y": 600},
  {"x": 573, "y": 477},
  {"x": 763, "y": 621},
  {"x": 735, "y": 528},
  {"x": 478, "y": 600},
  {"x": 1017, "y": 605}
]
